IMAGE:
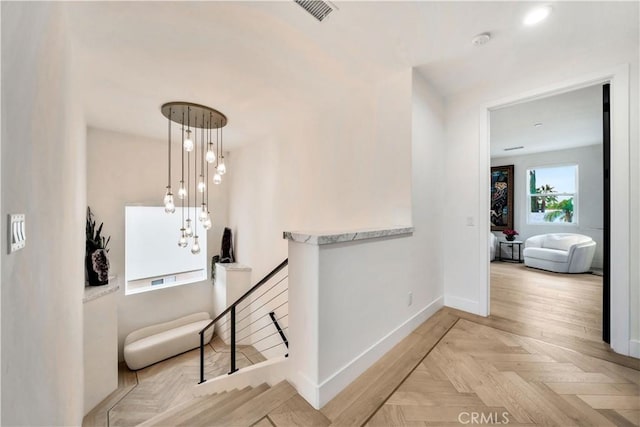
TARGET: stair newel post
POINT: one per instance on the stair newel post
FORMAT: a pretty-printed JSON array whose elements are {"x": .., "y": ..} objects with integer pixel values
[
  {"x": 201, "y": 357},
  {"x": 233, "y": 340}
]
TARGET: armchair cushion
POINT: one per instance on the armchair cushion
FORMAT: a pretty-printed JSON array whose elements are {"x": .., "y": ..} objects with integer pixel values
[
  {"x": 548, "y": 254},
  {"x": 562, "y": 242}
]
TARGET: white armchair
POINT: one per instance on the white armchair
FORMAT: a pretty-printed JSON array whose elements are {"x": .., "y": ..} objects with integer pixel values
[
  {"x": 493, "y": 243},
  {"x": 560, "y": 252}
]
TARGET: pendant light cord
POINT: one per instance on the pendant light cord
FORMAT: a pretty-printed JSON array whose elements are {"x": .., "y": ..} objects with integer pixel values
[
  {"x": 182, "y": 170},
  {"x": 169, "y": 149}
]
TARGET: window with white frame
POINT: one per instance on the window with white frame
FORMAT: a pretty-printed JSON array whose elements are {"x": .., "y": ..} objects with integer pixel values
[{"x": 552, "y": 195}]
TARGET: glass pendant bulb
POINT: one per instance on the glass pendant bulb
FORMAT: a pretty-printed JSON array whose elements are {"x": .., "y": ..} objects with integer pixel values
[
  {"x": 188, "y": 142},
  {"x": 222, "y": 169},
  {"x": 217, "y": 179},
  {"x": 182, "y": 192},
  {"x": 188, "y": 231},
  {"x": 195, "y": 248},
  {"x": 202, "y": 216},
  {"x": 201, "y": 185},
  {"x": 206, "y": 224},
  {"x": 167, "y": 196},
  {"x": 210, "y": 157},
  {"x": 182, "y": 242},
  {"x": 169, "y": 206}
]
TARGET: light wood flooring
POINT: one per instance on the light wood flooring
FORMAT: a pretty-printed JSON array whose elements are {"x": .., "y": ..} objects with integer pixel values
[
  {"x": 565, "y": 304},
  {"x": 478, "y": 371},
  {"x": 147, "y": 392},
  {"x": 537, "y": 360},
  {"x": 561, "y": 309}
]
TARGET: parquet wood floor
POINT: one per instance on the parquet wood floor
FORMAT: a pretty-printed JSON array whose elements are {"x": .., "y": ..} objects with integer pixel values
[
  {"x": 147, "y": 392},
  {"x": 480, "y": 372},
  {"x": 537, "y": 360},
  {"x": 567, "y": 304}
]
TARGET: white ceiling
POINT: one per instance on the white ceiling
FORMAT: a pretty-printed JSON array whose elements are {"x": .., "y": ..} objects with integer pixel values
[
  {"x": 263, "y": 63},
  {"x": 572, "y": 119}
]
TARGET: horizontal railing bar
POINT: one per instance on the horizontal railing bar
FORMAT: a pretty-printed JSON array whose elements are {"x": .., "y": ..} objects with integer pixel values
[
  {"x": 265, "y": 303},
  {"x": 261, "y": 295},
  {"x": 257, "y": 330},
  {"x": 264, "y": 338},
  {"x": 265, "y": 349},
  {"x": 249, "y": 324},
  {"x": 264, "y": 280},
  {"x": 226, "y": 320}
]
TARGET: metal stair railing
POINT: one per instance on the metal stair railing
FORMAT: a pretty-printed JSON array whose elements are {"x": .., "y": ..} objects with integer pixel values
[{"x": 233, "y": 310}]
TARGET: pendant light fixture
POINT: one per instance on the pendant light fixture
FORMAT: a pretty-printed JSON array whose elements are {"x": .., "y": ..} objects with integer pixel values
[{"x": 206, "y": 154}]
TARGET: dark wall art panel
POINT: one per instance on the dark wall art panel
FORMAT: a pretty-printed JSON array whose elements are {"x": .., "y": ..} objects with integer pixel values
[{"x": 501, "y": 198}]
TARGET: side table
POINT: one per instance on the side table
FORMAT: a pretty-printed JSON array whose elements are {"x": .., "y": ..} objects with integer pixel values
[{"x": 512, "y": 244}]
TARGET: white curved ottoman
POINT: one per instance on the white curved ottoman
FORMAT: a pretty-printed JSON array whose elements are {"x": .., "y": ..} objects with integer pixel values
[{"x": 154, "y": 343}]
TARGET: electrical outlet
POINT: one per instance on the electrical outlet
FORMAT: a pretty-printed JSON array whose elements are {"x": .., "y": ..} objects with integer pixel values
[
  {"x": 470, "y": 221},
  {"x": 410, "y": 300}
]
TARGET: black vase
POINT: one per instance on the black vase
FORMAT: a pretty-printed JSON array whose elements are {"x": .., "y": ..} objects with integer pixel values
[
  {"x": 97, "y": 265},
  {"x": 510, "y": 238},
  {"x": 227, "y": 255}
]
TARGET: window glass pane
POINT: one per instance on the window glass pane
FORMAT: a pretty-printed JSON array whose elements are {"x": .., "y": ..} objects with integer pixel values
[
  {"x": 551, "y": 209},
  {"x": 560, "y": 179}
]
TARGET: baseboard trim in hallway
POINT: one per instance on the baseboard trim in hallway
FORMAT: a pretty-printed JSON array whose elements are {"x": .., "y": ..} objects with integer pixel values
[
  {"x": 354, "y": 368},
  {"x": 362, "y": 398}
]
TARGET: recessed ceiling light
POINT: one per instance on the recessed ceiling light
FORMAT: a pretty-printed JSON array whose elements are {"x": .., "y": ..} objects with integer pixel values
[
  {"x": 519, "y": 147},
  {"x": 536, "y": 15},
  {"x": 481, "y": 39},
  {"x": 537, "y": 125}
]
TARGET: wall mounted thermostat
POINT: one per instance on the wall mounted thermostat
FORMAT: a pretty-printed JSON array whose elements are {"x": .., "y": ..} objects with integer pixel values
[{"x": 17, "y": 232}]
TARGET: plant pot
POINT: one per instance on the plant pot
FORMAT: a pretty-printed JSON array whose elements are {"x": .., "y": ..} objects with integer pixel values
[
  {"x": 510, "y": 238},
  {"x": 97, "y": 264}
]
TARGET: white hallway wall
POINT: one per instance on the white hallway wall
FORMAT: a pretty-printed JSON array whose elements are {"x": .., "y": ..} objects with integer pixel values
[
  {"x": 127, "y": 169},
  {"x": 43, "y": 146},
  {"x": 589, "y": 200},
  {"x": 462, "y": 159},
  {"x": 346, "y": 165},
  {"x": 357, "y": 175}
]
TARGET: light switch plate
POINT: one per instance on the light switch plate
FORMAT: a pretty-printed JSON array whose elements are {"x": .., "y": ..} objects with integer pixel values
[{"x": 17, "y": 232}]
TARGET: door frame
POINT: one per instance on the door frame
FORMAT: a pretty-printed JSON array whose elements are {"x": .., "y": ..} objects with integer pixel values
[{"x": 618, "y": 77}]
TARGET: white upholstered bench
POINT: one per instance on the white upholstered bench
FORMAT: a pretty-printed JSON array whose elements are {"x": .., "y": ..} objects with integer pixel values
[{"x": 154, "y": 343}]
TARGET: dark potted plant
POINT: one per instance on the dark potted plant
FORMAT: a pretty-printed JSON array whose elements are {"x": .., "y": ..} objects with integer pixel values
[
  {"x": 510, "y": 234},
  {"x": 96, "y": 259}
]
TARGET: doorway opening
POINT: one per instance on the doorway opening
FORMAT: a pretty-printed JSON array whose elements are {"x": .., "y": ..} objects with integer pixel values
[{"x": 548, "y": 195}]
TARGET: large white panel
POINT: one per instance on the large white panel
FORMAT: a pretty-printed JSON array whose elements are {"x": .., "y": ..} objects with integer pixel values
[{"x": 152, "y": 248}]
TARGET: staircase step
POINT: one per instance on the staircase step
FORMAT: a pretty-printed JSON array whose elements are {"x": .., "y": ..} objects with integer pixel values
[
  {"x": 257, "y": 408},
  {"x": 210, "y": 415},
  {"x": 172, "y": 415},
  {"x": 297, "y": 412}
]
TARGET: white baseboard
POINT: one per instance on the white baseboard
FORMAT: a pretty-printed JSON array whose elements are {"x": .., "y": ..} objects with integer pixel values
[
  {"x": 634, "y": 348},
  {"x": 305, "y": 388},
  {"x": 463, "y": 304},
  {"x": 335, "y": 383}
]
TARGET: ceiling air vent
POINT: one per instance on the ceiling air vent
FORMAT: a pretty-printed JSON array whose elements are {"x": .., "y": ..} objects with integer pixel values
[{"x": 319, "y": 9}]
